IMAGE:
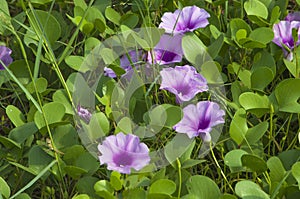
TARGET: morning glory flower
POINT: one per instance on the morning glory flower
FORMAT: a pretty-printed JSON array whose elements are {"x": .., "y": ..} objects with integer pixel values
[
  {"x": 183, "y": 81},
  {"x": 84, "y": 114},
  {"x": 135, "y": 56},
  {"x": 283, "y": 36},
  {"x": 199, "y": 119},
  {"x": 188, "y": 19},
  {"x": 167, "y": 51},
  {"x": 123, "y": 152},
  {"x": 295, "y": 16},
  {"x": 5, "y": 56}
]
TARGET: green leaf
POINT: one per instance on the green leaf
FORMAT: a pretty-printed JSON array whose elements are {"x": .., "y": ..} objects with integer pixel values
[
  {"x": 99, "y": 126},
  {"x": 125, "y": 125},
  {"x": 47, "y": 23},
  {"x": 61, "y": 97},
  {"x": 86, "y": 185},
  {"x": 75, "y": 62},
  {"x": 163, "y": 186},
  {"x": 74, "y": 172},
  {"x": 23, "y": 196},
  {"x": 112, "y": 15},
  {"x": 65, "y": 136},
  {"x": 115, "y": 180},
  {"x": 211, "y": 72},
  {"x": 203, "y": 187},
  {"x": 296, "y": 172},
  {"x": 104, "y": 189},
  {"x": 15, "y": 115},
  {"x": 261, "y": 77},
  {"x": 256, "y": 35},
  {"x": 81, "y": 196},
  {"x": 291, "y": 66},
  {"x": 38, "y": 159},
  {"x": 254, "y": 163},
  {"x": 54, "y": 113},
  {"x": 248, "y": 189},
  {"x": 287, "y": 94},
  {"x": 81, "y": 4},
  {"x": 8, "y": 143},
  {"x": 21, "y": 133},
  {"x": 134, "y": 193},
  {"x": 235, "y": 25},
  {"x": 190, "y": 163},
  {"x": 233, "y": 160},
  {"x": 255, "y": 103},
  {"x": 216, "y": 46},
  {"x": 130, "y": 20},
  {"x": 87, "y": 162},
  {"x": 277, "y": 171},
  {"x": 238, "y": 127},
  {"x": 4, "y": 188},
  {"x": 41, "y": 85},
  {"x": 194, "y": 50},
  {"x": 5, "y": 16},
  {"x": 255, "y": 133},
  {"x": 256, "y": 8}
]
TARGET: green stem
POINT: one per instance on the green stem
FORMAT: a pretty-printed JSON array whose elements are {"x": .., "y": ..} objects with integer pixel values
[
  {"x": 222, "y": 173},
  {"x": 180, "y": 178}
]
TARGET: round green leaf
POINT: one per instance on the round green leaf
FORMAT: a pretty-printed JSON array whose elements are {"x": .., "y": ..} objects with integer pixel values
[
  {"x": 54, "y": 113},
  {"x": 163, "y": 186},
  {"x": 233, "y": 160},
  {"x": 248, "y": 189},
  {"x": 203, "y": 187},
  {"x": 253, "y": 101},
  {"x": 287, "y": 94},
  {"x": 296, "y": 172},
  {"x": 261, "y": 77},
  {"x": 256, "y": 8},
  {"x": 254, "y": 163},
  {"x": 112, "y": 15},
  {"x": 81, "y": 196},
  {"x": 4, "y": 188},
  {"x": 15, "y": 115},
  {"x": 238, "y": 127}
]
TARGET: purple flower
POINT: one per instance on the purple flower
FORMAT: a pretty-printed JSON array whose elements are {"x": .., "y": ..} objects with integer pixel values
[
  {"x": 168, "y": 50},
  {"x": 293, "y": 16},
  {"x": 186, "y": 20},
  {"x": 283, "y": 36},
  {"x": 123, "y": 152},
  {"x": 183, "y": 81},
  {"x": 5, "y": 56},
  {"x": 135, "y": 56},
  {"x": 199, "y": 119},
  {"x": 84, "y": 114}
]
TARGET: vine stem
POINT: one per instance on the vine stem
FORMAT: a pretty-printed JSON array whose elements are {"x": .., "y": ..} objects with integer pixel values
[
  {"x": 180, "y": 178},
  {"x": 222, "y": 173}
]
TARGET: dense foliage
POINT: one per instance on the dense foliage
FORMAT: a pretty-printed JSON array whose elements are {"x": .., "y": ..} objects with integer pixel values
[{"x": 191, "y": 99}]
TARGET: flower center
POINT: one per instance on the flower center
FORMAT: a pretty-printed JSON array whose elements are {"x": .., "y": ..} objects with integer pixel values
[
  {"x": 168, "y": 56},
  {"x": 122, "y": 159}
]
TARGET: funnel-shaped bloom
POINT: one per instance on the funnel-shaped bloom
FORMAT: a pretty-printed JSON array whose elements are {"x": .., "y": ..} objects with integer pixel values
[
  {"x": 167, "y": 51},
  {"x": 123, "y": 152},
  {"x": 295, "y": 16},
  {"x": 283, "y": 36},
  {"x": 199, "y": 119},
  {"x": 5, "y": 56},
  {"x": 188, "y": 19},
  {"x": 183, "y": 81}
]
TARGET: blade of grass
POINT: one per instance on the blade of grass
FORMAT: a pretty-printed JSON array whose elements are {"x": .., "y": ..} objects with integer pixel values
[
  {"x": 36, "y": 178},
  {"x": 29, "y": 96}
]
